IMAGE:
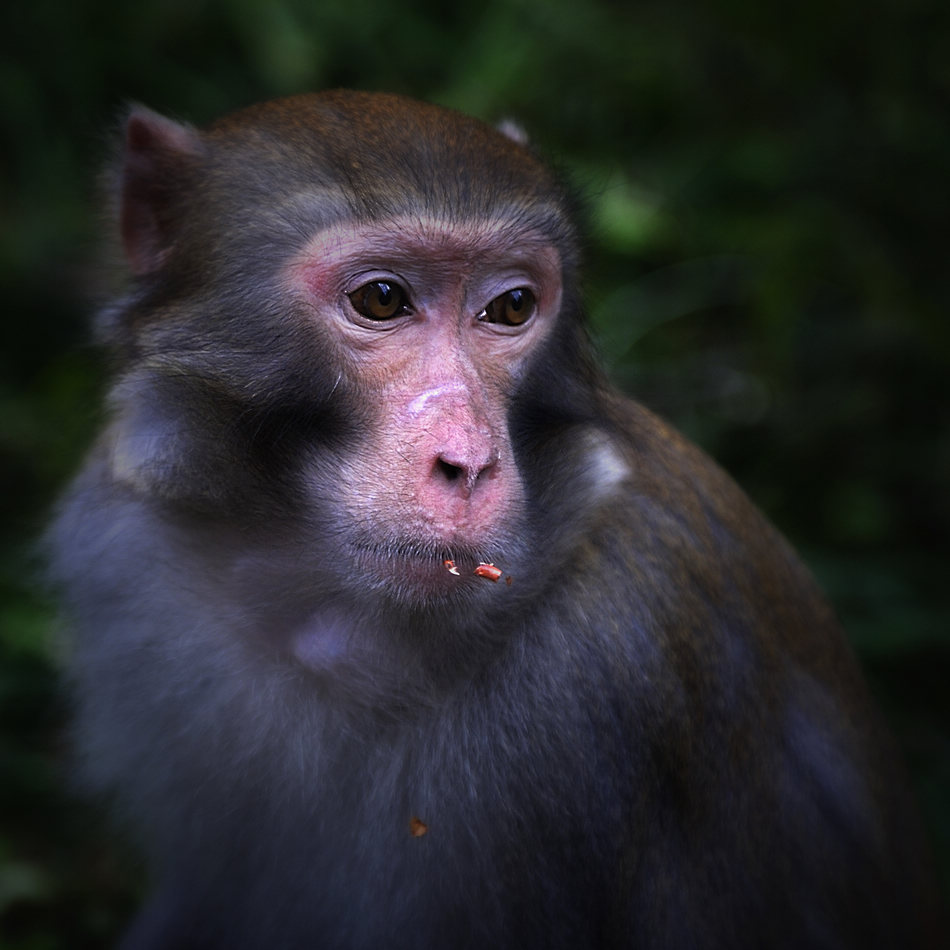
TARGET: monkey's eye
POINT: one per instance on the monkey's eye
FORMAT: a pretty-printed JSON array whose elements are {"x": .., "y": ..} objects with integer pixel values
[
  {"x": 380, "y": 300},
  {"x": 511, "y": 309}
]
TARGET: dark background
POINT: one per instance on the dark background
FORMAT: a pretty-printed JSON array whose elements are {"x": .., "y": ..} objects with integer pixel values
[{"x": 768, "y": 188}]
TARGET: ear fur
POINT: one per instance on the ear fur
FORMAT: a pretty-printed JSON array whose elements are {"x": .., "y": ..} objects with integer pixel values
[
  {"x": 157, "y": 155},
  {"x": 511, "y": 129}
]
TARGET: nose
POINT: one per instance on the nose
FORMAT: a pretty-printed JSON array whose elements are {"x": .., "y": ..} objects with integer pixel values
[{"x": 463, "y": 468}]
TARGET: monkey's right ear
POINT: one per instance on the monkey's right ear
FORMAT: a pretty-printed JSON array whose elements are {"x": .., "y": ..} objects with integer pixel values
[{"x": 157, "y": 156}]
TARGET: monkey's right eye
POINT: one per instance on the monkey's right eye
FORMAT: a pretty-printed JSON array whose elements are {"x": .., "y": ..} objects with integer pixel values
[{"x": 380, "y": 300}]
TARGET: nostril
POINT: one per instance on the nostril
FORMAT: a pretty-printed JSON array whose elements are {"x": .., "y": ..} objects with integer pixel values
[
  {"x": 453, "y": 470},
  {"x": 449, "y": 471}
]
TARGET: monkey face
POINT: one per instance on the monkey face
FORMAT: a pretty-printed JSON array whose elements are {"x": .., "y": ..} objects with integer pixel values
[{"x": 434, "y": 326}]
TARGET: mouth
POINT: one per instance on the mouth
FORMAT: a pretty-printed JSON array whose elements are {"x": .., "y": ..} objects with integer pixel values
[{"x": 409, "y": 569}]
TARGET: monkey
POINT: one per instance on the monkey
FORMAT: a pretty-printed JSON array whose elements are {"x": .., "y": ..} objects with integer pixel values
[{"x": 353, "y": 389}]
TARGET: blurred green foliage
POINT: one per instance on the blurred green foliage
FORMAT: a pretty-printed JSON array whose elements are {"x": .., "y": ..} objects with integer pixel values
[{"x": 767, "y": 250}]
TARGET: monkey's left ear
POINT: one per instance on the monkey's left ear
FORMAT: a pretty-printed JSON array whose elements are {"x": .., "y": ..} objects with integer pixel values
[
  {"x": 511, "y": 129},
  {"x": 157, "y": 157}
]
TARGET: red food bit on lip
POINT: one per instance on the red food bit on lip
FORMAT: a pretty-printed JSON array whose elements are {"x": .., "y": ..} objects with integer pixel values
[{"x": 488, "y": 571}]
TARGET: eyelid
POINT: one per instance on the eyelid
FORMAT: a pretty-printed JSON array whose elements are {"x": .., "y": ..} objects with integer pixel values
[
  {"x": 374, "y": 275},
  {"x": 509, "y": 281}
]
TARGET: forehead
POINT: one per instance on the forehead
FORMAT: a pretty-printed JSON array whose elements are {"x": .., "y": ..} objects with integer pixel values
[
  {"x": 372, "y": 158},
  {"x": 441, "y": 237}
]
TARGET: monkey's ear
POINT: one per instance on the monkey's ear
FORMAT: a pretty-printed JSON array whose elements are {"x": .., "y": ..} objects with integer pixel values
[
  {"x": 511, "y": 129},
  {"x": 157, "y": 156}
]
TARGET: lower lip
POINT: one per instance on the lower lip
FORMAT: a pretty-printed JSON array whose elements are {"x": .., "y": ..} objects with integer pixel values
[{"x": 423, "y": 574}]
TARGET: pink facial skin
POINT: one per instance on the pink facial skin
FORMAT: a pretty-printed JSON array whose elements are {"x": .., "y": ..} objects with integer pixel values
[{"x": 438, "y": 478}]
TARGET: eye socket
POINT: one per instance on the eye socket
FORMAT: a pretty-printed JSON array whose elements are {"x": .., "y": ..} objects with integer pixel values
[
  {"x": 511, "y": 309},
  {"x": 380, "y": 300}
]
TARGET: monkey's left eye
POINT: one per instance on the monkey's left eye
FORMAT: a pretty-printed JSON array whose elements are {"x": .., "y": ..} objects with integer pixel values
[
  {"x": 511, "y": 309},
  {"x": 380, "y": 300}
]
